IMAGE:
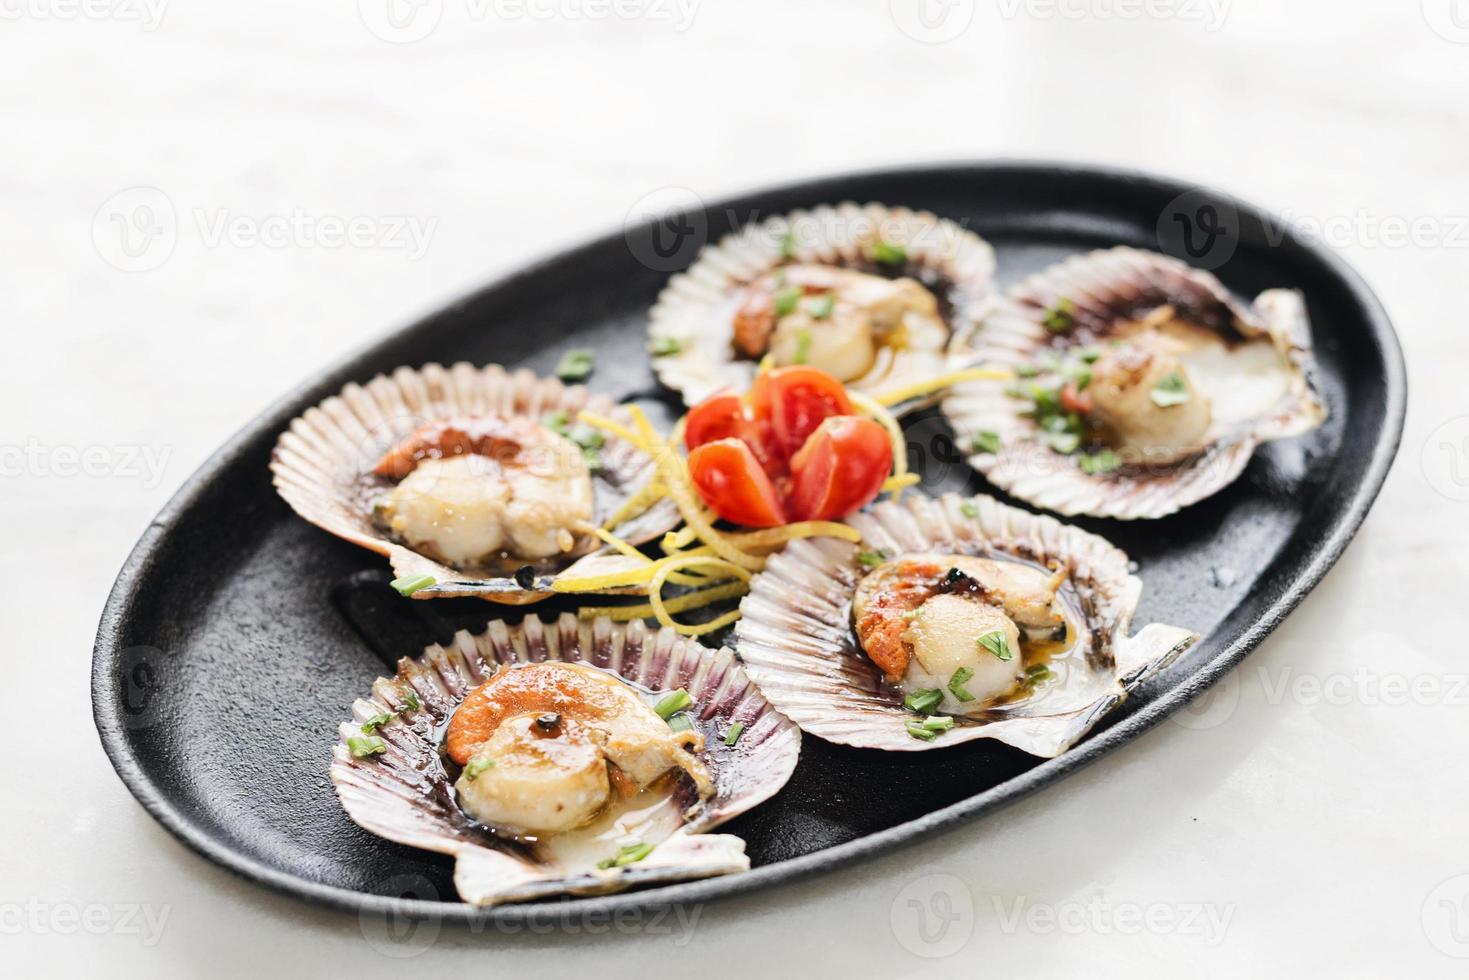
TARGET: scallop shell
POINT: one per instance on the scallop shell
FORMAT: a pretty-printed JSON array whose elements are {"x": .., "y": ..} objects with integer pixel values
[
  {"x": 322, "y": 465},
  {"x": 696, "y": 308},
  {"x": 1104, "y": 287},
  {"x": 796, "y": 640},
  {"x": 405, "y": 794}
]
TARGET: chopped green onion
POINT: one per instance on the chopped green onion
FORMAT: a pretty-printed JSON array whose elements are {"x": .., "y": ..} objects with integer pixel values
[
  {"x": 1081, "y": 378},
  {"x": 1064, "y": 443},
  {"x": 969, "y": 509},
  {"x": 938, "y": 723},
  {"x": 681, "y": 722},
  {"x": 803, "y": 346},
  {"x": 786, "y": 300},
  {"x": 411, "y": 702},
  {"x": 673, "y": 703},
  {"x": 1087, "y": 355},
  {"x": 1094, "y": 464},
  {"x": 1058, "y": 318},
  {"x": 735, "y": 731},
  {"x": 916, "y": 729},
  {"x": 478, "y": 766},
  {"x": 788, "y": 245},
  {"x": 911, "y": 614},
  {"x": 822, "y": 307},
  {"x": 1171, "y": 390},
  {"x": 409, "y": 584},
  {"x": 985, "y": 442},
  {"x": 886, "y": 253},
  {"x": 376, "y": 721},
  {"x": 665, "y": 346},
  {"x": 924, "y": 701},
  {"x": 630, "y": 854},
  {"x": 1027, "y": 371},
  {"x": 957, "y": 682},
  {"x": 1038, "y": 674},
  {"x": 871, "y": 559},
  {"x": 557, "y": 422},
  {"x": 363, "y": 746},
  {"x": 995, "y": 642},
  {"x": 576, "y": 365}
]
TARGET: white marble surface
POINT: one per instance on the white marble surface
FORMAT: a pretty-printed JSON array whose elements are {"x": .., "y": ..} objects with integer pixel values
[{"x": 1273, "y": 830}]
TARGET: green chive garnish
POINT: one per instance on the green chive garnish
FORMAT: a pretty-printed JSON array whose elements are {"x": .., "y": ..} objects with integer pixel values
[
  {"x": 375, "y": 722},
  {"x": 924, "y": 701},
  {"x": 1058, "y": 318},
  {"x": 1170, "y": 390},
  {"x": 996, "y": 643},
  {"x": 1088, "y": 355},
  {"x": 887, "y": 253},
  {"x": 557, "y": 422},
  {"x": 821, "y": 308},
  {"x": 673, "y": 703},
  {"x": 871, "y": 559},
  {"x": 1038, "y": 674},
  {"x": 969, "y": 509},
  {"x": 1027, "y": 371},
  {"x": 957, "y": 682},
  {"x": 576, "y": 365},
  {"x": 1094, "y": 464},
  {"x": 409, "y": 584},
  {"x": 985, "y": 442},
  {"x": 477, "y": 766},
  {"x": 803, "y": 346},
  {"x": 630, "y": 854},
  {"x": 786, "y": 300},
  {"x": 681, "y": 722},
  {"x": 735, "y": 731},
  {"x": 916, "y": 729},
  {"x": 911, "y": 614},
  {"x": 665, "y": 346},
  {"x": 1064, "y": 443},
  {"x": 411, "y": 702},
  {"x": 363, "y": 746},
  {"x": 938, "y": 723},
  {"x": 788, "y": 245}
]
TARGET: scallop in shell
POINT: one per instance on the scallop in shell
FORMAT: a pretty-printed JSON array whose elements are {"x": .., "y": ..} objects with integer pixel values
[
  {"x": 1149, "y": 385},
  {"x": 453, "y": 473},
  {"x": 879, "y": 297},
  {"x": 1040, "y": 692},
  {"x": 409, "y": 788}
]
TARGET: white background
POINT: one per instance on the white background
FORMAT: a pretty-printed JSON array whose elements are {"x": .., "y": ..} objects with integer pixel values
[{"x": 1273, "y": 830}]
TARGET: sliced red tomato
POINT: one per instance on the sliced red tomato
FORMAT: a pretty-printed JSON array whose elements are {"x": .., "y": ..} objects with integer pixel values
[
  {"x": 722, "y": 416},
  {"x": 732, "y": 481},
  {"x": 794, "y": 400},
  {"x": 841, "y": 467}
]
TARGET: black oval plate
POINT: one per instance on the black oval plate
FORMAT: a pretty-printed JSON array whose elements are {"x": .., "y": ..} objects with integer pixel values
[{"x": 237, "y": 636}]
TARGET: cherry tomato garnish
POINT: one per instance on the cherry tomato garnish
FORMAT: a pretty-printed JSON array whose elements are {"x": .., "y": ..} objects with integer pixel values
[
  {"x": 731, "y": 480},
  {"x": 840, "y": 468}
]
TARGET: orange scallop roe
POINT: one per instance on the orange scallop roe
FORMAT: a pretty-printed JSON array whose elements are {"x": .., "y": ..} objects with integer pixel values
[
  {"x": 497, "y": 438},
  {"x": 551, "y": 688},
  {"x": 881, "y": 627}
]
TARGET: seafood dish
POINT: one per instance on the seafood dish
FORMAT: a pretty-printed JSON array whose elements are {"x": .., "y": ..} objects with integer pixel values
[
  {"x": 1142, "y": 386},
  {"x": 766, "y": 566},
  {"x": 877, "y": 297}
]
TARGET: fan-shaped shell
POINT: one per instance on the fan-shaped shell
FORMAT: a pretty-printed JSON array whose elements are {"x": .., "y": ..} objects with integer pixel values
[
  {"x": 406, "y": 795},
  {"x": 695, "y": 311},
  {"x": 796, "y": 640},
  {"x": 323, "y": 464},
  {"x": 1104, "y": 288}
]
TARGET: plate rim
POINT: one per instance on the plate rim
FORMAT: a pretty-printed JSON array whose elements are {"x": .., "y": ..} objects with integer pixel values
[{"x": 1341, "y": 528}]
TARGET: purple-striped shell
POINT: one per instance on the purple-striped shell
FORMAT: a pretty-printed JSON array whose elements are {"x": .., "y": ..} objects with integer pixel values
[
  {"x": 405, "y": 794},
  {"x": 1263, "y": 391},
  {"x": 323, "y": 463},
  {"x": 796, "y": 640},
  {"x": 694, "y": 315}
]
